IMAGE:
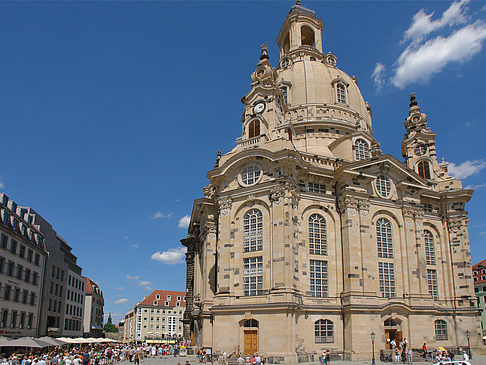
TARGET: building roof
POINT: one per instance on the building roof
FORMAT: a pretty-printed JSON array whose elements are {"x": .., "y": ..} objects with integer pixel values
[
  {"x": 92, "y": 287},
  {"x": 162, "y": 300},
  {"x": 479, "y": 272}
]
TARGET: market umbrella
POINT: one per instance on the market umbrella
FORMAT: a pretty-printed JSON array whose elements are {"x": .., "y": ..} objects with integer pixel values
[
  {"x": 442, "y": 349},
  {"x": 28, "y": 342},
  {"x": 52, "y": 341},
  {"x": 4, "y": 341}
]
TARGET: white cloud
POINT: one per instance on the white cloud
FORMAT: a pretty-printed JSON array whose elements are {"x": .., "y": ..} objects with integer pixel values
[
  {"x": 184, "y": 221},
  {"x": 129, "y": 277},
  {"x": 172, "y": 256},
  {"x": 466, "y": 168},
  {"x": 144, "y": 283},
  {"x": 160, "y": 215},
  {"x": 135, "y": 245},
  {"x": 2, "y": 184},
  {"x": 378, "y": 76},
  {"x": 422, "y": 23},
  {"x": 476, "y": 187},
  {"x": 418, "y": 64},
  {"x": 121, "y": 301},
  {"x": 148, "y": 288},
  {"x": 120, "y": 288}
]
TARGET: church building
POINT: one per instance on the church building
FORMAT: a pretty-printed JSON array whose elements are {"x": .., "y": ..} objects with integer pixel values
[{"x": 309, "y": 238}]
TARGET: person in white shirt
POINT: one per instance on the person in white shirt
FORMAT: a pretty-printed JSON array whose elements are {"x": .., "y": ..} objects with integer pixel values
[{"x": 465, "y": 356}]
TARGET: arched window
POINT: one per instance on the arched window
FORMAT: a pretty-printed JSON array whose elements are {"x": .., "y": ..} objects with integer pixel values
[
  {"x": 384, "y": 238},
  {"x": 317, "y": 235},
  {"x": 341, "y": 93},
  {"x": 253, "y": 231},
  {"x": 440, "y": 330},
  {"x": 254, "y": 129},
  {"x": 284, "y": 93},
  {"x": 429, "y": 248},
  {"x": 324, "y": 331},
  {"x": 307, "y": 36},
  {"x": 362, "y": 150},
  {"x": 286, "y": 43},
  {"x": 423, "y": 169}
]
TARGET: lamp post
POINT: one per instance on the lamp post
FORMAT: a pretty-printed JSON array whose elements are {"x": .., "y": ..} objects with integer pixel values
[
  {"x": 373, "y": 347},
  {"x": 468, "y": 334}
]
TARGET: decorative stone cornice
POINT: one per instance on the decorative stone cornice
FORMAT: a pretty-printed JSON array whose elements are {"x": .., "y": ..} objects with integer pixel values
[
  {"x": 456, "y": 222},
  {"x": 364, "y": 207},
  {"x": 285, "y": 187},
  {"x": 209, "y": 229},
  {"x": 224, "y": 204},
  {"x": 277, "y": 193},
  {"x": 410, "y": 212},
  {"x": 347, "y": 204},
  {"x": 209, "y": 191}
]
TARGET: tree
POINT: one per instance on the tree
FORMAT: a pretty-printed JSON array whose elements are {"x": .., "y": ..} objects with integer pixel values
[{"x": 110, "y": 327}]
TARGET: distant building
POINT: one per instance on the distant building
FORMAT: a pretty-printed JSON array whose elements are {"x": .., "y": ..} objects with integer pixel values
[
  {"x": 63, "y": 293},
  {"x": 157, "y": 318},
  {"x": 479, "y": 275},
  {"x": 93, "y": 310},
  {"x": 22, "y": 265}
]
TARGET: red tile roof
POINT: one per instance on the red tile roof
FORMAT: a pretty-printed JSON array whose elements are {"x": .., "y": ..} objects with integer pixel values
[
  {"x": 152, "y": 298},
  {"x": 477, "y": 272},
  {"x": 91, "y": 286}
]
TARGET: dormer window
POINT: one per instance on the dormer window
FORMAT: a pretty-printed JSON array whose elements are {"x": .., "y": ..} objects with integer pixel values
[
  {"x": 341, "y": 93},
  {"x": 254, "y": 129},
  {"x": 168, "y": 297},
  {"x": 423, "y": 169},
  {"x": 362, "y": 150}
]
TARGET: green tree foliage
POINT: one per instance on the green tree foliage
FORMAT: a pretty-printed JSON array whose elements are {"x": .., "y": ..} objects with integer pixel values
[{"x": 110, "y": 327}]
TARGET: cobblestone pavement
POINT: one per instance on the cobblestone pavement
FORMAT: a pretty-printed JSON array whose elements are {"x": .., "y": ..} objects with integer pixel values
[{"x": 478, "y": 360}]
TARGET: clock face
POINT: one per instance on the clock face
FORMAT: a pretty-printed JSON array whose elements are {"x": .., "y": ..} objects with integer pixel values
[
  {"x": 420, "y": 149},
  {"x": 260, "y": 107}
]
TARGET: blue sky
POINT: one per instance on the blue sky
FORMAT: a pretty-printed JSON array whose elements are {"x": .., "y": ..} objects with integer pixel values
[{"x": 112, "y": 112}]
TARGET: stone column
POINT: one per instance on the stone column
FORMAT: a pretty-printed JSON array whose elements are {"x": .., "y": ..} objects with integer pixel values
[{"x": 224, "y": 247}]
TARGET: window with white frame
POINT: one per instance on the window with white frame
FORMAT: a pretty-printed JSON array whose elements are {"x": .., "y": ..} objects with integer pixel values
[
  {"x": 432, "y": 283},
  {"x": 324, "y": 331},
  {"x": 341, "y": 93},
  {"x": 317, "y": 188},
  {"x": 253, "y": 231},
  {"x": 251, "y": 175},
  {"x": 253, "y": 275},
  {"x": 318, "y": 278},
  {"x": 429, "y": 248},
  {"x": 383, "y": 186},
  {"x": 384, "y": 238},
  {"x": 387, "y": 279},
  {"x": 361, "y": 149},
  {"x": 440, "y": 330},
  {"x": 317, "y": 235}
]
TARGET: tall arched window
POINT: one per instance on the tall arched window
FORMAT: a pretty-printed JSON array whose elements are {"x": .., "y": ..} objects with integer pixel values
[
  {"x": 384, "y": 238},
  {"x": 423, "y": 168},
  {"x": 429, "y": 248},
  {"x": 317, "y": 235},
  {"x": 362, "y": 150},
  {"x": 254, "y": 129},
  {"x": 440, "y": 330},
  {"x": 324, "y": 331},
  {"x": 253, "y": 231},
  {"x": 341, "y": 93}
]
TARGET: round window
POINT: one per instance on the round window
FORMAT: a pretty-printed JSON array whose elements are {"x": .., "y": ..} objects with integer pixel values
[
  {"x": 250, "y": 175},
  {"x": 383, "y": 186}
]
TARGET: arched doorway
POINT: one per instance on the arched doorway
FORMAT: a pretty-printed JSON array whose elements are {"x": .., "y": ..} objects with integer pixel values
[
  {"x": 393, "y": 331},
  {"x": 250, "y": 336}
]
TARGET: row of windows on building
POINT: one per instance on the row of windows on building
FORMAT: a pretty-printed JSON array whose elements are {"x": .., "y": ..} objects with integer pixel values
[
  {"x": 20, "y": 228},
  {"x": 17, "y": 295},
  {"x": 56, "y": 289},
  {"x": 163, "y": 311},
  {"x": 324, "y": 330},
  {"x": 17, "y": 320},
  {"x": 76, "y": 283},
  {"x": 75, "y": 296},
  {"x": 54, "y": 305},
  {"x": 19, "y": 249},
  {"x": 253, "y": 236},
  {"x": 318, "y": 274},
  {"x": 72, "y": 324},
  {"x": 18, "y": 272},
  {"x": 74, "y": 310}
]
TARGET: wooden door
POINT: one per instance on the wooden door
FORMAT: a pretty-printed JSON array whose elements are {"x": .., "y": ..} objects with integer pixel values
[
  {"x": 387, "y": 337},
  {"x": 251, "y": 341},
  {"x": 398, "y": 337}
]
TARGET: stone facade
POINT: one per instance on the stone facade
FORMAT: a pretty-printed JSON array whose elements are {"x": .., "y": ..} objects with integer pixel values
[
  {"x": 479, "y": 275},
  {"x": 157, "y": 318},
  {"x": 309, "y": 238},
  {"x": 22, "y": 264},
  {"x": 93, "y": 310}
]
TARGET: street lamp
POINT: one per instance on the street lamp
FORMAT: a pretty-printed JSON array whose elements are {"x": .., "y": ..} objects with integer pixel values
[
  {"x": 468, "y": 334},
  {"x": 373, "y": 347}
]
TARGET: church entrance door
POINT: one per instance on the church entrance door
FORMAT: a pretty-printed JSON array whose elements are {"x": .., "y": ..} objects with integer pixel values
[
  {"x": 392, "y": 334},
  {"x": 251, "y": 341}
]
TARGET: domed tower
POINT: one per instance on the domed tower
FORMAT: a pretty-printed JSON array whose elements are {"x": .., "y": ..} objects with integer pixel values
[{"x": 307, "y": 234}]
